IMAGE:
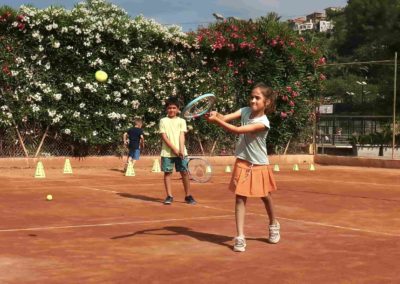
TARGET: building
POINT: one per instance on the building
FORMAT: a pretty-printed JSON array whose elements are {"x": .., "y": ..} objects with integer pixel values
[
  {"x": 334, "y": 9},
  {"x": 316, "y": 17},
  {"x": 301, "y": 24},
  {"x": 324, "y": 26},
  {"x": 315, "y": 21}
]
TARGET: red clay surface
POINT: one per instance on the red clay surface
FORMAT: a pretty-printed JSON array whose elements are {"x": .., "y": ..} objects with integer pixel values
[{"x": 338, "y": 225}]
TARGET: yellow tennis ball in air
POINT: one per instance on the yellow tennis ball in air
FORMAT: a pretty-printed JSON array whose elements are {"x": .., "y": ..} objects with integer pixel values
[
  {"x": 101, "y": 76},
  {"x": 49, "y": 197}
]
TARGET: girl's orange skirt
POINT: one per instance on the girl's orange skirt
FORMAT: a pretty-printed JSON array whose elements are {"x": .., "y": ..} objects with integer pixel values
[{"x": 252, "y": 180}]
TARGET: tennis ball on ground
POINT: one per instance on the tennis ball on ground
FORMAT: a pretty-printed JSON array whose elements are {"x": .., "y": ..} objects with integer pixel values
[
  {"x": 49, "y": 197},
  {"x": 101, "y": 76}
]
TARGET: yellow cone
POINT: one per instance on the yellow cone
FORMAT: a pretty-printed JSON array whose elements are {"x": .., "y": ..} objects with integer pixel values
[
  {"x": 208, "y": 169},
  {"x": 39, "y": 172},
  {"x": 312, "y": 167},
  {"x": 130, "y": 171},
  {"x": 228, "y": 169},
  {"x": 296, "y": 167},
  {"x": 67, "y": 167},
  {"x": 276, "y": 168},
  {"x": 156, "y": 166}
]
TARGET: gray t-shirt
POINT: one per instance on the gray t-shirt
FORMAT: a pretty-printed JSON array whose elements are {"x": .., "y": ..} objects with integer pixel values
[{"x": 252, "y": 147}]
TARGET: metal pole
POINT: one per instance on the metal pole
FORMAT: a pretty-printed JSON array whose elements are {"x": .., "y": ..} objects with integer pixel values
[
  {"x": 314, "y": 132},
  {"x": 394, "y": 104}
]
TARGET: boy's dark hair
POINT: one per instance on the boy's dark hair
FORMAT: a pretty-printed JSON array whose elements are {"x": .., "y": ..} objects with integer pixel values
[
  {"x": 172, "y": 101},
  {"x": 138, "y": 120},
  {"x": 269, "y": 94}
]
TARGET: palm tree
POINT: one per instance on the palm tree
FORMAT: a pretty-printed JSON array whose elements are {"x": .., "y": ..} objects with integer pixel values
[{"x": 271, "y": 17}]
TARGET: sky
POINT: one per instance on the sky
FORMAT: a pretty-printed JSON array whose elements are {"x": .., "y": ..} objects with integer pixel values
[{"x": 189, "y": 14}]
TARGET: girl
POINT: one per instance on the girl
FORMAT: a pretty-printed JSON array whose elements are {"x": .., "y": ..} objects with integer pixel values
[{"x": 252, "y": 176}]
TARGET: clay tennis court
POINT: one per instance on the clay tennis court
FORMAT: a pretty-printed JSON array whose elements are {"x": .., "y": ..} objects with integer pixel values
[{"x": 339, "y": 225}]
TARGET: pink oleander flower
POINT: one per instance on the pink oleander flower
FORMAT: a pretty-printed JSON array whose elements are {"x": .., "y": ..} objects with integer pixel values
[
  {"x": 21, "y": 26},
  {"x": 322, "y": 61},
  {"x": 295, "y": 94}
]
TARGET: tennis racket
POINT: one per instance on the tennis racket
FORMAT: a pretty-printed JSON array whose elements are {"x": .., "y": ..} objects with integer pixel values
[
  {"x": 199, "y": 169},
  {"x": 199, "y": 106}
]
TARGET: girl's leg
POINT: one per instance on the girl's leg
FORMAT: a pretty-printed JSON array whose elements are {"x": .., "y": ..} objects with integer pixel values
[
  {"x": 240, "y": 211},
  {"x": 274, "y": 226},
  {"x": 270, "y": 208}
]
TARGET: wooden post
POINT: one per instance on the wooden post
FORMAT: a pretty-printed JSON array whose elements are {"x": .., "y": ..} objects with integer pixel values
[
  {"x": 41, "y": 142},
  {"x": 20, "y": 140},
  {"x": 287, "y": 146},
  {"x": 213, "y": 147},
  {"x": 201, "y": 145}
]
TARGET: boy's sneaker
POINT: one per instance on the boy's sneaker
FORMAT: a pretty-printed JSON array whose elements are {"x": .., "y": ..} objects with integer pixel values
[
  {"x": 168, "y": 200},
  {"x": 240, "y": 244},
  {"x": 274, "y": 234},
  {"x": 190, "y": 200}
]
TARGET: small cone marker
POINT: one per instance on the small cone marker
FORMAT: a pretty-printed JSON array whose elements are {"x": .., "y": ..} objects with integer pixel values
[
  {"x": 39, "y": 172},
  {"x": 312, "y": 167},
  {"x": 130, "y": 171},
  {"x": 276, "y": 168},
  {"x": 67, "y": 167},
  {"x": 296, "y": 167},
  {"x": 156, "y": 166},
  {"x": 228, "y": 169},
  {"x": 208, "y": 169}
]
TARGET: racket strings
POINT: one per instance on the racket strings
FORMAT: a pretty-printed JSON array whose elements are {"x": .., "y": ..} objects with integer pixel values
[
  {"x": 200, "y": 107},
  {"x": 198, "y": 170}
]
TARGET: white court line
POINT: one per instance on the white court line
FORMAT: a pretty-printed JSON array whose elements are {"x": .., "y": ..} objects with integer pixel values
[
  {"x": 336, "y": 181},
  {"x": 339, "y": 227},
  {"x": 196, "y": 218},
  {"x": 278, "y": 179},
  {"x": 316, "y": 223},
  {"x": 113, "y": 224},
  {"x": 283, "y": 218},
  {"x": 99, "y": 189}
]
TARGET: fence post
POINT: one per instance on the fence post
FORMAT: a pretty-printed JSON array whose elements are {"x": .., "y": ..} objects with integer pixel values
[{"x": 394, "y": 104}]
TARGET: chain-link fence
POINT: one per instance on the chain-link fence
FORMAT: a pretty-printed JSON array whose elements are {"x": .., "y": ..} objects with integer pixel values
[
  {"x": 34, "y": 145},
  {"x": 28, "y": 144},
  {"x": 357, "y": 111}
]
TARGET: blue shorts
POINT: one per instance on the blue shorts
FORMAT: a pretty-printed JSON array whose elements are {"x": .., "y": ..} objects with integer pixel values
[
  {"x": 167, "y": 164},
  {"x": 134, "y": 154}
]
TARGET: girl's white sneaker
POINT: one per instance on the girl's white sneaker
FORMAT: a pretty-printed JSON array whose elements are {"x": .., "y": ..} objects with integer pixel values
[
  {"x": 274, "y": 234},
  {"x": 240, "y": 244}
]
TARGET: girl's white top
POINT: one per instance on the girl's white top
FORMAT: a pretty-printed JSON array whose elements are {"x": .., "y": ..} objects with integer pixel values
[{"x": 252, "y": 146}]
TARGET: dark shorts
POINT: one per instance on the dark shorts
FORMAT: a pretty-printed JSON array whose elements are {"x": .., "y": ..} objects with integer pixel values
[
  {"x": 167, "y": 164},
  {"x": 134, "y": 154}
]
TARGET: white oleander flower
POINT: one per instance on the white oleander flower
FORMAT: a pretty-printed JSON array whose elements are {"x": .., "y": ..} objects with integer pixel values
[{"x": 57, "y": 97}]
